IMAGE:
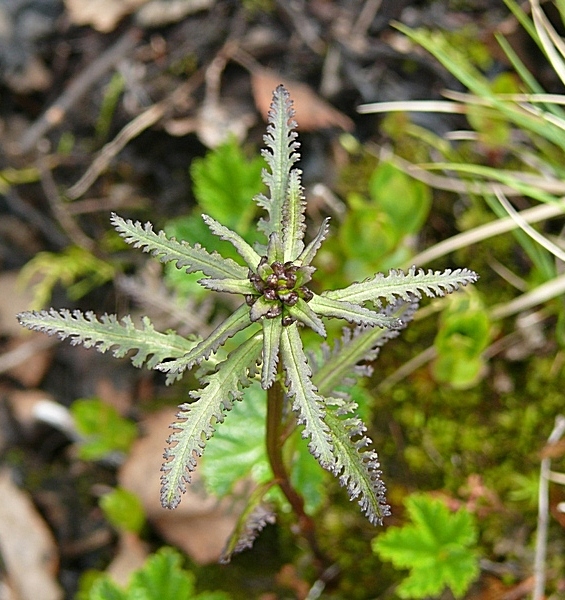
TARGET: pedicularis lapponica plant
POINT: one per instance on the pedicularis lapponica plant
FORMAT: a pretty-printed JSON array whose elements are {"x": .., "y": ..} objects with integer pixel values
[{"x": 277, "y": 304}]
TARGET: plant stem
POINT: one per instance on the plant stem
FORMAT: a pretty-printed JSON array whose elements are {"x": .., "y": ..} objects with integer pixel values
[{"x": 275, "y": 404}]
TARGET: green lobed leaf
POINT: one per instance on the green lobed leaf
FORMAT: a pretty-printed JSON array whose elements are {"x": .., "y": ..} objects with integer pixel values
[
  {"x": 152, "y": 346},
  {"x": 105, "y": 589},
  {"x": 307, "y": 403},
  {"x": 239, "y": 450},
  {"x": 190, "y": 258},
  {"x": 223, "y": 182},
  {"x": 103, "y": 430},
  {"x": 387, "y": 184},
  {"x": 162, "y": 577},
  {"x": 123, "y": 509},
  {"x": 437, "y": 548},
  {"x": 198, "y": 419}
]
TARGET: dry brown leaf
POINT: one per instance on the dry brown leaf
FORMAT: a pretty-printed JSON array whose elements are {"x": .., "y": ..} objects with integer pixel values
[
  {"x": 555, "y": 450},
  {"x": 28, "y": 550},
  {"x": 13, "y": 299},
  {"x": 31, "y": 358},
  {"x": 103, "y": 15},
  {"x": 201, "y": 524},
  {"x": 312, "y": 112},
  {"x": 131, "y": 555}
]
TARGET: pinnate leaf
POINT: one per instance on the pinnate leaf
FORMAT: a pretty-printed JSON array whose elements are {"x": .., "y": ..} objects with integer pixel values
[
  {"x": 123, "y": 336},
  {"x": 237, "y": 321},
  {"x": 280, "y": 155},
  {"x": 255, "y": 517},
  {"x": 190, "y": 258},
  {"x": 198, "y": 419},
  {"x": 398, "y": 284},
  {"x": 307, "y": 403},
  {"x": 357, "y": 466}
]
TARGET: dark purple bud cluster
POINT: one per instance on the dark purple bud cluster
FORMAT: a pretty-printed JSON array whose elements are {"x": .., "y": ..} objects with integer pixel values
[{"x": 279, "y": 284}]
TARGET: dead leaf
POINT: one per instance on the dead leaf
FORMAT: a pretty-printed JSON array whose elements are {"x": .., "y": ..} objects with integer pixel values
[
  {"x": 157, "y": 13},
  {"x": 201, "y": 524},
  {"x": 312, "y": 112},
  {"x": 131, "y": 555},
  {"x": 14, "y": 298},
  {"x": 103, "y": 15},
  {"x": 555, "y": 450},
  {"x": 28, "y": 550},
  {"x": 28, "y": 358}
]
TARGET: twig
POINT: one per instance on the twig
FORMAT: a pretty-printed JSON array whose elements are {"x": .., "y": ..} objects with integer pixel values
[
  {"x": 66, "y": 221},
  {"x": 57, "y": 111},
  {"x": 543, "y": 512},
  {"x": 142, "y": 122},
  {"x": 296, "y": 12},
  {"x": 462, "y": 240},
  {"x": 110, "y": 150}
]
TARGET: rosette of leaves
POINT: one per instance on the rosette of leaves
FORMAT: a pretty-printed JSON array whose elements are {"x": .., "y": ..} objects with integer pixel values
[{"x": 277, "y": 303}]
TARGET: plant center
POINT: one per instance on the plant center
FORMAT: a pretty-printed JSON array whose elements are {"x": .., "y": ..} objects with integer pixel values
[{"x": 278, "y": 285}]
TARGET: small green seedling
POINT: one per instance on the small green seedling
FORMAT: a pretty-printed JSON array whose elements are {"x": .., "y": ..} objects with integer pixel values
[
  {"x": 274, "y": 280},
  {"x": 161, "y": 577},
  {"x": 101, "y": 428},
  {"x": 438, "y": 548}
]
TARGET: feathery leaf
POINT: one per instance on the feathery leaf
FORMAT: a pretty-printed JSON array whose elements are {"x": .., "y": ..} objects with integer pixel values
[
  {"x": 198, "y": 420},
  {"x": 293, "y": 218},
  {"x": 280, "y": 155},
  {"x": 256, "y": 516},
  {"x": 152, "y": 346},
  {"x": 308, "y": 254},
  {"x": 398, "y": 284},
  {"x": 341, "y": 364},
  {"x": 328, "y": 307},
  {"x": 228, "y": 286},
  {"x": 272, "y": 329},
  {"x": 190, "y": 258},
  {"x": 237, "y": 321},
  {"x": 307, "y": 403},
  {"x": 357, "y": 466},
  {"x": 243, "y": 248},
  {"x": 304, "y": 313}
]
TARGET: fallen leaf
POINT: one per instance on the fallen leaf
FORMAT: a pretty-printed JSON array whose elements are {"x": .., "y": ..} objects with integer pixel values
[
  {"x": 13, "y": 299},
  {"x": 30, "y": 356},
  {"x": 555, "y": 450},
  {"x": 201, "y": 524},
  {"x": 131, "y": 555},
  {"x": 103, "y": 15},
  {"x": 312, "y": 111},
  {"x": 28, "y": 550}
]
